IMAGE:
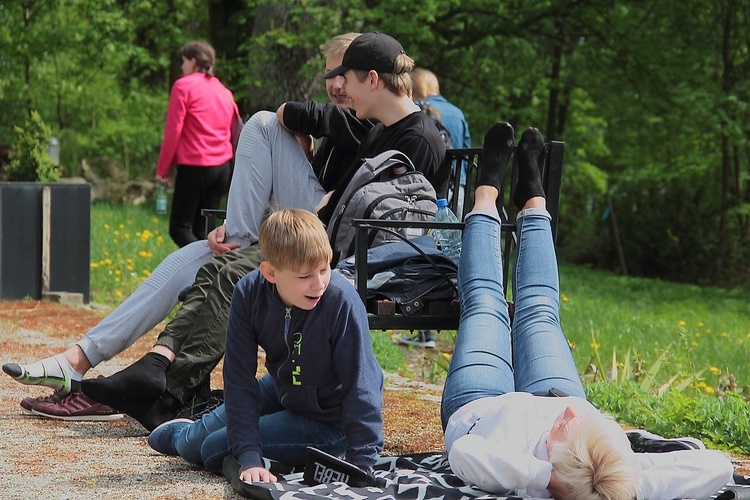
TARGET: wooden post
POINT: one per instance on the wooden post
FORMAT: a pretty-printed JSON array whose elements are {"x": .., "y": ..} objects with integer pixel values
[
  {"x": 46, "y": 233},
  {"x": 616, "y": 236}
]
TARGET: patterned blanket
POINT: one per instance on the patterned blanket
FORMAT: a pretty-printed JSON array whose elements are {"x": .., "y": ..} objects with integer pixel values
[{"x": 419, "y": 476}]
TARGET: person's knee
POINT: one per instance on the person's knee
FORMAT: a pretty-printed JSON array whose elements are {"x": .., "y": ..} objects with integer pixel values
[{"x": 262, "y": 119}]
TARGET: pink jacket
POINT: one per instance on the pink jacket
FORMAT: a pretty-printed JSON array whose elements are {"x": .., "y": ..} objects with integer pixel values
[{"x": 200, "y": 116}]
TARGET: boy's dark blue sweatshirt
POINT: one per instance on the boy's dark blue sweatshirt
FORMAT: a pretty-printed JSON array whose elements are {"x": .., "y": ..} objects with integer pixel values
[{"x": 321, "y": 362}]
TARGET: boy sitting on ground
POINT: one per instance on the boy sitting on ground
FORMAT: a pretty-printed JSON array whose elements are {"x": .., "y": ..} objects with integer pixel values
[{"x": 323, "y": 387}]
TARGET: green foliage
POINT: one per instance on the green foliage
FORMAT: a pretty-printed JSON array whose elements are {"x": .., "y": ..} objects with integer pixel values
[
  {"x": 688, "y": 329},
  {"x": 30, "y": 162},
  {"x": 389, "y": 356},
  {"x": 661, "y": 114},
  {"x": 128, "y": 243},
  {"x": 720, "y": 423}
]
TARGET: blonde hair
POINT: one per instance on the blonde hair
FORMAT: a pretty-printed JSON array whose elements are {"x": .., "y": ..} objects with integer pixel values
[
  {"x": 203, "y": 53},
  {"x": 399, "y": 82},
  {"x": 292, "y": 238},
  {"x": 337, "y": 45},
  {"x": 595, "y": 462},
  {"x": 425, "y": 84}
]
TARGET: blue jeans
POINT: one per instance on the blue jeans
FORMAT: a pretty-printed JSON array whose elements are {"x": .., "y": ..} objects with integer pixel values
[
  {"x": 487, "y": 360},
  {"x": 285, "y": 434}
]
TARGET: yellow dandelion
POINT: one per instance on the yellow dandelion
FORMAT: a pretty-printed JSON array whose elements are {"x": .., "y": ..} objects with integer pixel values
[
  {"x": 708, "y": 330},
  {"x": 146, "y": 272},
  {"x": 682, "y": 322},
  {"x": 701, "y": 384},
  {"x": 694, "y": 344},
  {"x": 571, "y": 344},
  {"x": 118, "y": 293},
  {"x": 724, "y": 334},
  {"x": 714, "y": 369},
  {"x": 117, "y": 272},
  {"x": 106, "y": 226},
  {"x": 697, "y": 334},
  {"x": 446, "y": 355},
  {"x": 154, "y": 220},
  {"x": 122, "y": 226},
  {"x": 94, "y": 265},
  {"x": 564, "y": 297},
  {"x": 700, "y": 324},
  {"x": 709, "y": 389},
  {"x": 129, "y": 268},
  {"x": 115, "y": 241}
]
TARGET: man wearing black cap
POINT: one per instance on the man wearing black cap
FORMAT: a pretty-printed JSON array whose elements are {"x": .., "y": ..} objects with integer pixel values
[{"x": 275, "y": 170}]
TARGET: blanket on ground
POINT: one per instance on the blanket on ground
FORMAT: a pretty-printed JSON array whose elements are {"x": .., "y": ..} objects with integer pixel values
[{"x": 419, "y": 476}]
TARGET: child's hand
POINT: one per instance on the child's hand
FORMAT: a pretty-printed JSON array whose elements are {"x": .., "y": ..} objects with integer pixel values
[{"x": 257, "y": 474}]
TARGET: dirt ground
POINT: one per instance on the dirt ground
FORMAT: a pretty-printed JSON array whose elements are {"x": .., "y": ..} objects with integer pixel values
[
  {"x": 43, "y": 458},
  {"x": 53, "y": 459}
]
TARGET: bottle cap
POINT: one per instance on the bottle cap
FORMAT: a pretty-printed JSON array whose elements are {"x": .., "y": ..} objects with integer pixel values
[{"x": 442, "y": 202}]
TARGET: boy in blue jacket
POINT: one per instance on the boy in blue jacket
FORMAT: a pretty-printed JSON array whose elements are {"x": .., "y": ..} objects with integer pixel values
[{"x": 323, "y": 387}]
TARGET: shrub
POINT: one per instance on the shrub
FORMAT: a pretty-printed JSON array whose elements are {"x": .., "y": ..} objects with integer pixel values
[{"x": 30, "y": 161}]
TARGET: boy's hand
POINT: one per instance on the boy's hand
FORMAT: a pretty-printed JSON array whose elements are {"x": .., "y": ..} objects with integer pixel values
[
  {"x": 216, "y": 242},
  {"x": 257, "y": 474}
]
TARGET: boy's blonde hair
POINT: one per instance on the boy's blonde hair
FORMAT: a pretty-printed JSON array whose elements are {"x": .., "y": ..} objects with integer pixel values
[
  {"x": 337, "y": 45},
  {"x": 425, "y": 84},
  {"x": 595, "y": 461},
  {"x": 399, "y": 82},
  {"x": 292, "y": 238}
]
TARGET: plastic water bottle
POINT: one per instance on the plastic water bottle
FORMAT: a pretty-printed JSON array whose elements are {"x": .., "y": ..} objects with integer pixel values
[
  {"x": 161, "y": 200},
  {"x": 449, "y": 240}
]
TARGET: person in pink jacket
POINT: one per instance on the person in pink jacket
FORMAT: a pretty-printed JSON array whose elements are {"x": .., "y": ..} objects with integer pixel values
[{"x": 197, "y": 140}]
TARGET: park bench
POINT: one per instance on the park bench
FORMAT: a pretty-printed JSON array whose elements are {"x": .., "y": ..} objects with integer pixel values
[
  {"x": 384, "y": 314},
  {"x": 443, "y": 315}
]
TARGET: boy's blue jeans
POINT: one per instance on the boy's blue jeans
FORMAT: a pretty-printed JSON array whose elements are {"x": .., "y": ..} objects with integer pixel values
[
  {"x": 286, "y": 435},
  {"x": 487, "y": 361}
]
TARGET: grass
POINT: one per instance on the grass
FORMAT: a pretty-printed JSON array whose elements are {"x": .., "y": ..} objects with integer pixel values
[
  {"x": 692, "y": 329},
  {"x": 680, "y": 350},
  {"x": 127, "y": 243}
]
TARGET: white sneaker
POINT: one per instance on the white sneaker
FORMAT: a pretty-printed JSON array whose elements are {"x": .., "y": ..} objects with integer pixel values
[{"x": 423, "y": 338}]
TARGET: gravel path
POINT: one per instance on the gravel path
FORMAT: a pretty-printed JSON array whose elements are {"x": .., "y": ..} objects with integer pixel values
[{"x": 52, "y": 459}]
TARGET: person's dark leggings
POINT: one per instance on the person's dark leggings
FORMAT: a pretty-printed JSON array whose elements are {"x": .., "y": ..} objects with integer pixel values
[{"x": 196, "y": 188}]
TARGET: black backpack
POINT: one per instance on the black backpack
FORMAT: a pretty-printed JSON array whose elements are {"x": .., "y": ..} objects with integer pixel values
[
  {"x": 386, "y": 187},
  {"x": 435, "y": 115}
]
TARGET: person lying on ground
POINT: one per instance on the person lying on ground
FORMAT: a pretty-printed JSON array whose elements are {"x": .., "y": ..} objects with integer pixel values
[
  {"x": 323, "y": 386},
  {"x": 505, "y": 431}
]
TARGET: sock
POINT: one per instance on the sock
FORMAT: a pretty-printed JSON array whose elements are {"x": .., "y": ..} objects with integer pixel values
[
  {"x": 530, "y": 154},
  {"x": 498, "y": 146},
  {"x": 146, "y": 379},
  {"x": 151, "y": 413},
  {"x": 55, "y": 372}
]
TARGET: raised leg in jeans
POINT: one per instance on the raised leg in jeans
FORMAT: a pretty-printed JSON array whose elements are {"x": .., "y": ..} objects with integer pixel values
[
  {"x": 482, "y": 364},
  {"x": 541, "y": 354},
  {"x": 285, "y": 434}
]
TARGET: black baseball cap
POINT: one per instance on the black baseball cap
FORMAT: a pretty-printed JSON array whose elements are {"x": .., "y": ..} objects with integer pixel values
[{"x": 368, "y": 51}]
